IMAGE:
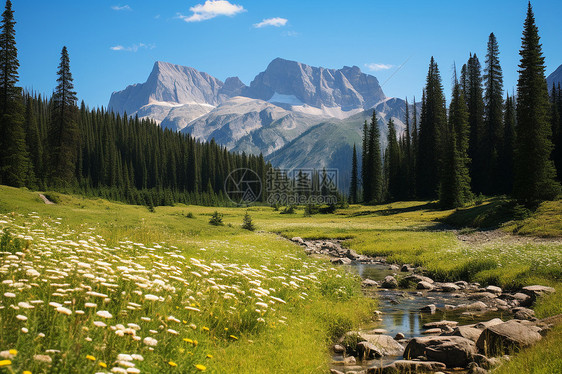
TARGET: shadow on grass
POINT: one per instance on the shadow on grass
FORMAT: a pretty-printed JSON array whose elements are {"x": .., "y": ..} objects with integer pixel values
[{"x": 392, "y": 211}]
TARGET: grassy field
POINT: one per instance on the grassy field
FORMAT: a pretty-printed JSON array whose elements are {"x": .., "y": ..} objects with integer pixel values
[{"x": 320, "y": 303}]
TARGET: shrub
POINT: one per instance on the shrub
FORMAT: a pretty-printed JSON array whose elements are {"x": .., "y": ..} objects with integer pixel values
[
  {"x": 289, "y": 209},
  {"x": 189, "y": 215},
  {"x": 247, "y": 223},
  {"x": 216, "y": 219}
]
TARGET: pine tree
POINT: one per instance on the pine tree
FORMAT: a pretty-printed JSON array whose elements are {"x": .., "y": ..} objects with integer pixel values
[
  {"x": 433, "y": 123},
  {"x": 475, "y": 104},
  {"x": 454, "y": 190},
  {"x": 63, "y": 129},
  {"x": 353, "y": 184},
  {"x": 375, "y": 164},
  {"x": 365, "y": 165},
  {"x": 14, "y": 157},
  {"x": 491, "y": 142},
  {"x": 393, "y": 164},
  {"x": 556, "y": 125},
  {"x": 508, "y": 146},
  {"x": 534, "y": 170}
]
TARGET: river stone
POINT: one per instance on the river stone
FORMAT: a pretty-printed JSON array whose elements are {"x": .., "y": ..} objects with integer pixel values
[
  {"x": 408, "y": 366},
  {"x": 494, "y": 289},
  {"x": 369, "y": 283},
  {"x": 524, "y": 314},
  {"x": 389, "y": 282},
  {"x": 504, "y": 337},
  {"x": 473, "y": 368},
  {"x": 394, "y": 267},
  {"x": 435, "y": 331},
  {"x": 349, "y": 360},
  {"x": 341, "y": 261},
  {"x": 368, "y": 351},
  {"x": 406, "y": 267},
  {"x": 399, "y": 336},
  {"x": 338, "y": 348},
  {"x": 482, "y": 296},
  {"x": 537, "y": 291},
  {"x": 386, "y": 344},
  {"x": 423, "y": 285},
  {"x": 466, "y": 332},
  {"x": 351, "y": 254},
  {"x": 440, "y": 324},
  {"x": 523, "y": 299},
  {"x": 297, "y": 239},
  {"x": 334, "y": 371},
  {"x": 477, "y": 306},
  {"x": 449, "y": 287},
  {"x": 431, "y": 308},
  {"x": 485, "y": 324},
  {"x": 453, "y": 351}
]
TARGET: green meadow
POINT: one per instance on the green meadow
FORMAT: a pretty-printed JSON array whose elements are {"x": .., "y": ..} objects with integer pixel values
[{"x": 98, "y": 286}]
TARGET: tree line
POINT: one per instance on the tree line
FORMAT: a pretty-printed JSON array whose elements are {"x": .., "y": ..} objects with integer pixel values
[
  {"x": 482, "y": 144},
  {"x": 51, "y": 143}
]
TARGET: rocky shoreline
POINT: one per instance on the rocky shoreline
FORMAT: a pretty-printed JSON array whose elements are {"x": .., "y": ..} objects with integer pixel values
[{"x": 444, "y": 345}]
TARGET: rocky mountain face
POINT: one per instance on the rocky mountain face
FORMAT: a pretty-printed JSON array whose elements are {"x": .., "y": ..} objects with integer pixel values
[
  {"x": 555, "y": 77},
  {"x": 295, "y": 114}
]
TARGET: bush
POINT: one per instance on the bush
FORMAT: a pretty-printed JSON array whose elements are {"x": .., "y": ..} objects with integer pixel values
[
  {"x": 289, "y": 209},
  {"x": 247, "y": 223},
  {"x": 189, "y": 215},
  {"x": 216, "y": 219}
]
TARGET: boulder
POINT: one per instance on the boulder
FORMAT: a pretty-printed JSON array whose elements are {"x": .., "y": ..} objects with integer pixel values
[
  {"x": 338, "y": 348},
  {"x": 399, "y": 336},
  {"x": 434, "y": 331},
  {"x": 386, "y": 345},
  {"x": 406, "y": 267},
  {"x": 473, "y": 368},
  {"x": 369, "y": 283},
  {"x": 298, "y": 240},
  {"x": 466, "y": 332},
  {"x": 482, "y": 296},
  {"x": 477, "y": 306},
  {"x": 505, "y": 337},
  {"x": 341, "y": 261},
  {"x": 349, "y": 360},
  {"x": 494, "y": 289},
  {"x": 423, "y": 285},
  {"x": 440, "y": 324},
  {"x": 351, "y": 254},
  {"x": 537, "y": 291},
  {"x": 523, "y": 299},
  {"x": 431, "y": 308},
  {"x": 524, "y": 314},
  {"x": 449, "y": 287},
  {"x": 408, "y": 366},
  {"x": 389, "y": 282},
  {"x": 368, "y": 351},
  {"x": 492, "y": 322},
  {"x": 394, "y": 267},
  {"x": 453, "y": 351}
]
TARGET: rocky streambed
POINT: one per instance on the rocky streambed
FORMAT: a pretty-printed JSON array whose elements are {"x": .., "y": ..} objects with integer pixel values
[{"x": 427, "y": 326}]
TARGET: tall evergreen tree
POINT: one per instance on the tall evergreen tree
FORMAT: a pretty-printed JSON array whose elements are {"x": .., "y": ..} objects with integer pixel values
[
  {"x": 491, "y": 141},
  {"x": 454, "y": 190},
  {"x": 63, "y": 131},
  {"x": 433, "y": 123},
  {"x": 365, "y": 165},
  {"x": 353, "y": 184},
  {"x": 508, "y": 146},
  {"x": 14, "y": 157},
  {"x": 556, "y": 125},
  {"x": 393, "y": 164},
  {"x": 534, "y": 170},
  {"x": 475, "y": 103},
  {"x": 375, "y": 163}
]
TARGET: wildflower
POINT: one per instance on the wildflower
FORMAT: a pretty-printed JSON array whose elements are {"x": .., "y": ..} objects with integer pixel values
[
  {"x": 200, "y": 367},
  {"x": 27, "y": 372},
  {"x": 9, "y": 294},
  {"x": 90, "y": 357},
  {"x": 209, "y": 356},
  {"x": 187, "y": 340},
  {"x": 64, "y": 310},
  {"x": 173, "y": 332},
  {"x": 205, "y": 328},
  {"x": 233, "y": 337},
  {"x": 150, "y": 341},
  {"x": 5, "y": 363},
  {"x": 24, "y": 330},
  {"x": 102, "y": 364},
  {"x": 104, "y": 314},
  {"x": 43, "y": 358},
  {"x": 13, "y": 352},
  {"x": 172, "y": 364},
  {"x": 99, "y": 324},
  {"x": 151, "y": 297}
]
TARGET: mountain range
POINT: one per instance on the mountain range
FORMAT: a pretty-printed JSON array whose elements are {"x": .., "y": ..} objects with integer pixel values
[
  {"x": 555, "y": 77},
  {"x": 296, "y": 115}
]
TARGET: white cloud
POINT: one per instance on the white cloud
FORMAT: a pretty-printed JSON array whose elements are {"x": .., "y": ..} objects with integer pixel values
[
  {"x": 212, "y": 9},
  {"x": 118, "y": 7},
  {"x": 377, "y": 67},
  {"x": 132, "y": 48},
  {"x": 276, "y": 21}
]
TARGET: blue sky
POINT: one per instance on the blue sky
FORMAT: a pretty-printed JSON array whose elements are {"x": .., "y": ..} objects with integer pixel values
[{"x": 115, "y": 43}]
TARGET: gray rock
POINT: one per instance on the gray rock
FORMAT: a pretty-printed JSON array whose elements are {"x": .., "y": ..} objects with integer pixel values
[
  {"x": 399, "y": 336},
  {"x": 334, "y": 371},
  {"x": 368, "y": 351},
  {"x": 297, "y": 239},
  {"x": 523, "y": 299},
  {"x": 467, "y": 332},
  {"x": 350, "y": 360},
  {"x": 482, "y": 296},
  {"x": 440, "y": 324},
  {"x": 406, "y": 268},
  {"x": 477, "y": 306},
  {"x": 494, "y": 289},
  {"x": 507, "y": 336},
  {"x": 473, "y": 368},
  {"x": 369, "y": 283},
  {"x": 524, "y": 314},
  {"x": 338, "y": 348},
  {"x": 431, "y": 308},
  {"x": 434, "y": 331},
  {"x": 424, "y": 286},
  {"x": 449, "y": 287},
  {"x": 537, "y": 291},
  {"x": 453, "y": 351},
  {"x": 492, "y": 322},
  {"x": 389, "y": 282},
  {"x": 341, "y": 261},
  {"x": 408, "y": 366},
  {"x": 394, "y": 267},
  {"x": 385, "y": 343}
]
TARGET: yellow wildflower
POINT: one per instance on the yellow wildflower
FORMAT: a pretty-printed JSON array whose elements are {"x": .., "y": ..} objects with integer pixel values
[
  {"x": 102, "y": 364},
  {"x": 205, "y": 328},
  {"x": 90, "y": 357},
  {"x": 5, "y": 363},
  {"x": 13, "y": 352},
  {"x": 195, "y": 342},
  {"x": 233, "y": 337},
  {"x": 200, "y": 367},
  {"x": 209, "y": 356},
  {"x": 27, "y": 372},
  {"x": 172, "y": 364},
  {"x": 187, "y": 340}
]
